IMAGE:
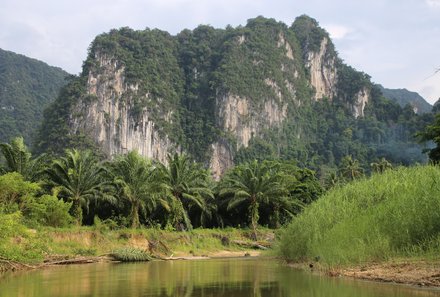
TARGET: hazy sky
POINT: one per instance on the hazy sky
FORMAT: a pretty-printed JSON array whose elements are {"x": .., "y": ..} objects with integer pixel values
[{"x": 397, "y": 42}]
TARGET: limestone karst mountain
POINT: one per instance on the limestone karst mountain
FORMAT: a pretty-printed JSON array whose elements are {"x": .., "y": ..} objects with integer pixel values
[{"x": 264, "y": 90}]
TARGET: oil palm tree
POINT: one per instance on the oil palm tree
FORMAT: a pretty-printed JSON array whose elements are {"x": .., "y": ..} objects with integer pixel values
[
  {"x": 351, "y": 168},
  {"x": 187, "y": 186},
  {"x": 18, "y": 159},
  {"x": 79, "y": 178},
  {"x": 253, "y": 183},
  {"x": 381, "y": 166},
  {"x": 137, "y": 182}
]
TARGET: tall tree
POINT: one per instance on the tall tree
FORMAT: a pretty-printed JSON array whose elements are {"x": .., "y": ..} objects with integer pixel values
[
  {"x": 137, "y": 183},
  {"x": 381, "y": 165},
  {"x": 350, "y": 168},
  {"x": 253, "y": 183},
  {"x": 187, "y": 187},
  {"x": 79, "y": 178}
]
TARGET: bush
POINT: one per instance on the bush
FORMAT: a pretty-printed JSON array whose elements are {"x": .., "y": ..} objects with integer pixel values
[
  {"x": 56, "y": 211},
  {"x": 130, "y": 254},
  {"x": 391, "y": 214},
  {"x": 14, "y": 190},
  {"x": 47, "y": 210},
  {"x": 10, "y": 226}
]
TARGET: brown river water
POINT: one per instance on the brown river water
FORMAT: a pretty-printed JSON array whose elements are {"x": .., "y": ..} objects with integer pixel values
[{"x": 205, "y": 278}]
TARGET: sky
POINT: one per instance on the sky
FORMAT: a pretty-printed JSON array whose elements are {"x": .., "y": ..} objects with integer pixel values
[{"x": 396, "y": 42}]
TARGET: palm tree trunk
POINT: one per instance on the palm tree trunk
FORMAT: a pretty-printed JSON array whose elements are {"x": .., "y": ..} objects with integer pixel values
[
  {"x": 77, "y": 211},
  {"x": 254, "y": 218},
  {"x": 135, "y": 216}
]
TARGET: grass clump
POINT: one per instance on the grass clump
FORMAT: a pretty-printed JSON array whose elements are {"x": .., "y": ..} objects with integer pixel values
[
  {"x": 394, "y": 214},
  {"x": 130, "y": 254}
]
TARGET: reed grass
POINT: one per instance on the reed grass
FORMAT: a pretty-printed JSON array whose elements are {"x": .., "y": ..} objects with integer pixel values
[{"x": 388, "y": 215}]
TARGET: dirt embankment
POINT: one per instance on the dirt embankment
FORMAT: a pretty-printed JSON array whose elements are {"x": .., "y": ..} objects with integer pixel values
[
  {"x": 409, "y": 272},
  {"x": 420, "y": 273}
]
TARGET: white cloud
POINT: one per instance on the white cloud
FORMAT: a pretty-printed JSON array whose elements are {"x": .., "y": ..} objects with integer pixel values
[
  {"x": 338, "y": 31},
  {"x": 433, "y": 3}
]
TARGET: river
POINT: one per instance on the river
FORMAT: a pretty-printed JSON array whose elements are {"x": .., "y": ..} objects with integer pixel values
[{"x": 205, "y": 278}]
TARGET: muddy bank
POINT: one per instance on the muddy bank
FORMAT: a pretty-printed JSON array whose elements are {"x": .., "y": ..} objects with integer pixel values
[
  {"x": 409, "y": 272},
  {"x": 418, "y": 273}
]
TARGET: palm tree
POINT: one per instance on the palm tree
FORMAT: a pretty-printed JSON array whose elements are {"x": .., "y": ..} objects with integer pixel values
[
  {"x": 187, "y": 187},
  {"x": 255, "y": 184},
  {"x": 137, "y": 182},
  {"x": 16, "y": 155},
  {"x": 332, "y": 180},
  {"x": 79, "y": 179},
  {"x": 18, "y": 159},
  {"x": 351, "y": 168},
  {"x": 381, "y": 166}
]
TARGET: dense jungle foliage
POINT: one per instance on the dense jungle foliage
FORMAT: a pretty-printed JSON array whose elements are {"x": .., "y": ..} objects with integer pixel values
[
  {"x": 132, "y": 191},
  {"x": 27, "y": 87}
]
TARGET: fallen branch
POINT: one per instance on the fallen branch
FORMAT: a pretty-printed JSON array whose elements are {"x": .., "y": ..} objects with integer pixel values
[
  {"x": 74, "y": 261},
  {"x": 15, "y": 265}
]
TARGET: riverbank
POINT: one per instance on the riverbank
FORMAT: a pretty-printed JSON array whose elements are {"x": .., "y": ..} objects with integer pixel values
[
  {"x": 413, "y": 272},
  {"x": 52, "y": 246},
  {"x": 410, "y": 272}
]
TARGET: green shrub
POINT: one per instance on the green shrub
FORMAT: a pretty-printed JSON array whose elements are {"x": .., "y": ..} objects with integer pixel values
[
  {"x": 14, "y": 190},
  {"x": 47, "y": 210},
  {"x": 130, "y": 254},
  {"x": 10, "y": 225}
]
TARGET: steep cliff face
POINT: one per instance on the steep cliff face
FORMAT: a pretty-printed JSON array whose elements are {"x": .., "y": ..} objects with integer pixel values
[
  {"x": 107, "y": 116},
  {"x": 323, "y": 72},
  {"x": 241, "y": 120}
]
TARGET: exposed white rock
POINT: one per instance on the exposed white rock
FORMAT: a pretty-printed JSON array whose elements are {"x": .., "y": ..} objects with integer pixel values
[
  {"x": 360, "y": 101},
  {"x": 323, "y": 74},
  {"x": 221, "y": 159},
  {"x": 282, "y": 42},
  {"x": 271, "y": 83},
  {"x": 238, "y": 117},
  {"x": 241, "y": 39},
  {"x": 108, "y": 120}
]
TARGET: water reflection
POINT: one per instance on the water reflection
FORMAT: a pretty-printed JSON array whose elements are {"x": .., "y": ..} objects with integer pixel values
[{"x": 226, "y": 277}]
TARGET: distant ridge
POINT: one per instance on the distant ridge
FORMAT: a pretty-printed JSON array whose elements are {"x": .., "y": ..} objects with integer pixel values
[
  {"x": 404, "y": 97},
  {"x": 27, "y": 87}
]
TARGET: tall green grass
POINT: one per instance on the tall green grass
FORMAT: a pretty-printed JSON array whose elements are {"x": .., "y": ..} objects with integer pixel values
[{"x": 393, "y": 214}]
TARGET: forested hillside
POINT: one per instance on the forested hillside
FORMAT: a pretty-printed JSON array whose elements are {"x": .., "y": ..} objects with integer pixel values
[{"x": 27, "y": 87}]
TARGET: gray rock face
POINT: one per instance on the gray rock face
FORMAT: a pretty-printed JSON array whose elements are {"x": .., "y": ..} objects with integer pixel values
[
  {"x": 107, "y": 118},
  {"x": 239, "y": 118},
  {"x": 323, "y": 73}
]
